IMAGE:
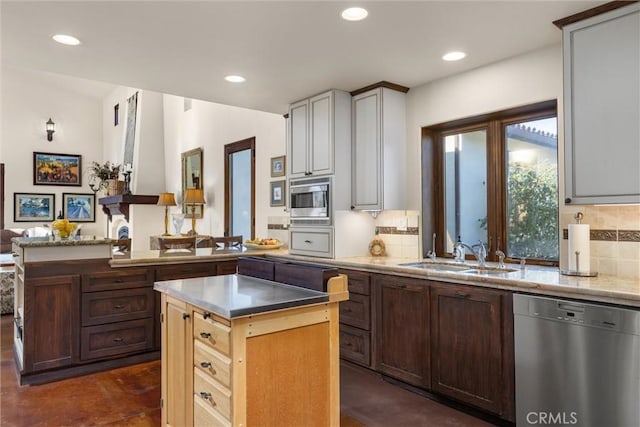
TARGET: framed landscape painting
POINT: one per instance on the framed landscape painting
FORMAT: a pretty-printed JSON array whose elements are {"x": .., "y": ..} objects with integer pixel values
[
  {"x": 79, "y": 207},
  {"x": 57, "y": 169},
  {"x": 33, "y": 207}
]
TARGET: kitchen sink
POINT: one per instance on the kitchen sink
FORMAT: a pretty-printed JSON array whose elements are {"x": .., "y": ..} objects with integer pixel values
[{"x": 460, "y": 268}]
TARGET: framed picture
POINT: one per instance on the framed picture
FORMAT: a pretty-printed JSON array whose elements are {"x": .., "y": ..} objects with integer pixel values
[
  {"x": 79, "y": 207},
  {"x": 57, "y": 169},
  {"x": 34, "y": 207},
  {"x": 277, "y": 166},
  {"x": 277, "y": 193}
]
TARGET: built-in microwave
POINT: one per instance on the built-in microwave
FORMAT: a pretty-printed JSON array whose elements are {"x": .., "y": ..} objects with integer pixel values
[{"x": 309, "y": 201}]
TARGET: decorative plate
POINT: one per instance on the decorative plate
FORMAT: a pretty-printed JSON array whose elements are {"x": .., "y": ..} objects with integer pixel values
[
  {"x": 255, "y": 246},
  {"x": 377, "y": 248}
]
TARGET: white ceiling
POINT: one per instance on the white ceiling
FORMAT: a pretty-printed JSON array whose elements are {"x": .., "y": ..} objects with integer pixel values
[{"x": 286, "y": 50}]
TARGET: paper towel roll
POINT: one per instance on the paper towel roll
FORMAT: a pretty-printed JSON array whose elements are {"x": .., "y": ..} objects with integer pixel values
[{"x": 579, "y": 242}]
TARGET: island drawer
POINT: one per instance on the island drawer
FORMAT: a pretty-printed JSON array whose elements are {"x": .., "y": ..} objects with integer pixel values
[
  {"x": 116, "y": 306},
  {"x": 116, "y": 338},
  {"x": 212, "y": 363},
  {"x": 226, "y": 267},
  {"x": 355, "y": 345},
  {"x": 203, "y": 415},
  {"x": 211, "y": 394},
  {"x": 356, "y": 311},
  {"x": 116, "y": 279},
  {"x": 211, "y": 333}
]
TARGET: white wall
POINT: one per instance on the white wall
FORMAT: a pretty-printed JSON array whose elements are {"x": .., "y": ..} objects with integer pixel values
[
  {"x": 212, "y": 126},
  {"x": 29, "y": 98},
  {"x": 533, "y": 77}
]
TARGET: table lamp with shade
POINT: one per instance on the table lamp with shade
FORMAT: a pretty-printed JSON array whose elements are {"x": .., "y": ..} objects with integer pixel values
[
  {"x": 166, "y": 200},
  {"x": 193, "y": 197}
]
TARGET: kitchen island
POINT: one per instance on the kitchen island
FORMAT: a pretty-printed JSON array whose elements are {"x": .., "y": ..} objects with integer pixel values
[{"x": 238, "y": 350}]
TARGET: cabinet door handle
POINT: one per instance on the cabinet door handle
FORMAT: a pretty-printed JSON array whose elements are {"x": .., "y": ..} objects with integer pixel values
[
  {"x": 118, "y": 306},
  {"x": 308, "y": 241},
  {"x": 185, "y": 316},
  {"x": 205, "y": 395},
  {"x": 14, "y": 254},
  {"x": 117, "y": 340},
  {"x": 205, "y": 364},
  {"x": 205, "y": 334},
  {"x": 206, "y": 315},
  {"x": 119, "y": 280}
]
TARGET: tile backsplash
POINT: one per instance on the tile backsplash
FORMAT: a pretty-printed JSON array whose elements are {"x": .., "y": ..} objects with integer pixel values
[
  {"x": 400, "y": 231},
  {"x": 614, "y": 238}
]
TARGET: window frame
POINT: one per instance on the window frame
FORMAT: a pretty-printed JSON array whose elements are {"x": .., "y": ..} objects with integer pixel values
[{"x": 433, "y": 191}]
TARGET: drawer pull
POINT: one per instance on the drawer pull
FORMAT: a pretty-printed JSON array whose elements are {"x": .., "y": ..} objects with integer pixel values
[
  {"x": 15, "y": 254},
  {"x": 461, "y": 294},
  {"x": 308, "y": 241},
  {"x": 117, "y": 340},
  {"x": 207, "y": 396},
  {"x": 209, "y": 366},
  {"x": 119, "y": 280},
  {"x": 118, "y": 306},
  {"x": 347, "y": 310},
  {"x": 185, "y": 316},
  {"x": 206, "y": 315},
  {"x": 205, "y": 335}
]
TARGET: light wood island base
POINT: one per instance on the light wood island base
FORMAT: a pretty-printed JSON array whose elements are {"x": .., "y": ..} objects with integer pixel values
[{"x": 274, "y": 368}]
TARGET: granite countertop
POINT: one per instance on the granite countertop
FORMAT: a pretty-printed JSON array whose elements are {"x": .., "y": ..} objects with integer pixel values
[
  {"x": 182, "y": 256},
  {"x": 533, "y": 279},
  {"x": 35, "y": 242},
  {"x": 236, "y": 295}
]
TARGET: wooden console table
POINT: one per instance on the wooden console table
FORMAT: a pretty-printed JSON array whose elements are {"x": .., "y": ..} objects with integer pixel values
[{"x": 202, "y": 241}]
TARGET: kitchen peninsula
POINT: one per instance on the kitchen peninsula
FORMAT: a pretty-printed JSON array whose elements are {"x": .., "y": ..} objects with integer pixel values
[{"x": 80, "y": 309}]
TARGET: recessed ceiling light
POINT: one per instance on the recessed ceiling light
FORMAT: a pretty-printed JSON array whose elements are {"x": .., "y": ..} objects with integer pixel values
[
  {"x": 235, "y": 79},
  {"x": 354, "y": 14},
  {"x": 65, "y": 39},
  {"x": 454, "y": 56}
]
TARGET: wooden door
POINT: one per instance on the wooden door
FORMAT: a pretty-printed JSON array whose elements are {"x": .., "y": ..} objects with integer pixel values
[
  {"x": 51, "y": 322},
  {"x": 402, "y": 332},
  {"x": 469, "y": 346}
]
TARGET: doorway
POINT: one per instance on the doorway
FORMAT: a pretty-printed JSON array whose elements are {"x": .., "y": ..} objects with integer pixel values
[{"x": 239, "y": 184}]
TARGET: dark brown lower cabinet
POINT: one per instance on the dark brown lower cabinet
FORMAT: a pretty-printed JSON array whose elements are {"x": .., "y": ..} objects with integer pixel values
[
  {"x": 355, "y": 319},
  {"x": 51, "y": 322},
  {"x": 472, "y": 347},
  {"x": 402, "y": 329}
]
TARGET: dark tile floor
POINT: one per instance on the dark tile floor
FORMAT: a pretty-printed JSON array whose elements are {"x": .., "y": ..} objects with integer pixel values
[{"x": 130, "y": 397}]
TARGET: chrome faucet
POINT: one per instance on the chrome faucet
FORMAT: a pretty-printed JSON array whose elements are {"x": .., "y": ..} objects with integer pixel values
[
  {"x": 480, "y": 253},
  {"x": 432, "y": 253},
  {"x": 501, "y": 256}
]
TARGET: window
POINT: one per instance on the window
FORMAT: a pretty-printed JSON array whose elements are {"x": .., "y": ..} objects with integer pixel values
[{"x": 494, "y": 179}]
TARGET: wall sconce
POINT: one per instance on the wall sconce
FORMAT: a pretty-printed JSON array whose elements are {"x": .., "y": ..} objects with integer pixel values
[{"x": 51, "y": 128}]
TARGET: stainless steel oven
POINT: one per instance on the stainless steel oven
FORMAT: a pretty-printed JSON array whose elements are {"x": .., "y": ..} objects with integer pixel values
[{"x": 309, "y": 202}]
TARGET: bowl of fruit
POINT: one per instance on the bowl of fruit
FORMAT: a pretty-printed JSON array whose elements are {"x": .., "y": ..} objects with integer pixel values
[
  {"x": 259, "y": 243},
  {"x": 63, "y": 227}
]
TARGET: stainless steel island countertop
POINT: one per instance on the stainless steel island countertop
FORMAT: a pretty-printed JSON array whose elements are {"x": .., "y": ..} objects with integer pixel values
[{"x": 236, "y": 295}]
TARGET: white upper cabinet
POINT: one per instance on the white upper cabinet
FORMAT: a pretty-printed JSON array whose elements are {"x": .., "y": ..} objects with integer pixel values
[
  {"x": 317, "y": 125},
  {"x": 378, "y": 150},
  {"x": 602, "y": 108}
]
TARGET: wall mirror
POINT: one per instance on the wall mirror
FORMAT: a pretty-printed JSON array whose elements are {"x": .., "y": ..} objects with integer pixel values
[{"x": 192, "y": 178}]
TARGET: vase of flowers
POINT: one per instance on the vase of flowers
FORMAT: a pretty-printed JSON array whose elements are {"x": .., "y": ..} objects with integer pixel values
[{"x": 105, "y": 177}]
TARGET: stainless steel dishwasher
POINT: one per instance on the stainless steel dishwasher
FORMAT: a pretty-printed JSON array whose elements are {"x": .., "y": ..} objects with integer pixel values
[{"x": 577, "y": 364}]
